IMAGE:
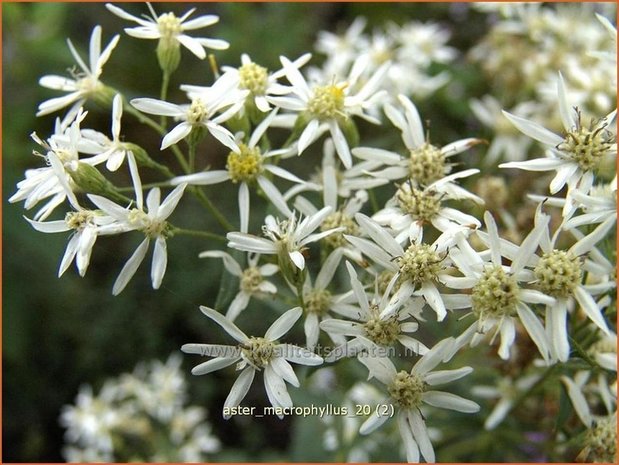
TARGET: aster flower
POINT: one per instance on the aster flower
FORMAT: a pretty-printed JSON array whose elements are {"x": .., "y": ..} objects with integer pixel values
[
  {"x": 254, "y": 354},
  {"x": 418, "y": 268},
  {"x": 378, "y": 322},
  {"x": 152, "y": 223},
  {"x": 414, "y": 206},
  {"x": 600, "y": 438},
  {"x": 409, "y": 391},
  {"x": 330, "y": 107},
  {"x": 83, "y": 85},
  {"x": 200, "y": 113},
  {"x": 286, "y": 239},
  {"x": 247, "y": 166},
  {"x": 498, "y": 299},
  {"x": 169, "y": 27},
  {"x": 425, "y": 163},
  {"x": 63, "y": 160},
  {"x": 251, "y": 279},
  {"x": 575, "y": 156},
  {"x": 599, "y": 205},
  {"x": 256, "y": 79}
]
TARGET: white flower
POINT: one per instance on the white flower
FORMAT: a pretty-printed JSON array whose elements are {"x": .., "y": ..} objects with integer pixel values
[
  {"x": 575, "y": 156},
  {"x": 168, "y": 26},
  {"x": 329, "y": 107},
  {"x": 508, "y": 391},
  {"x": 598, "y": 205},
  {"x": 286, "y": 238},
  {"x": 200, "y": 113},
  {"x": 259, "y": 82},
  {"x": 408, "y": 391},
  {"x": 85, "y": 84},
  {"x": 154, "y": 226},
  {"x": 251, "y": 279},
  {"x": 87, "y": 225},
  {"x": 560, "y": 274},
  {"x": 414, "y": 206},
  {"x": 54, "y": 180},
  {"x": 246, "y": 166},
  {"x": 255, "y": 354},
  {"x": 418, "y": 269},
  {"x": 497, "y": 298},
  {"x": 377, "y": 323},
  {"x": 425, "y": 162}
]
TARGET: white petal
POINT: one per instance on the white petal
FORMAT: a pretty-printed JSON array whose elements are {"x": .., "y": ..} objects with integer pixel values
[
  {"x": 276, "y": 389},
  {"x": 226, "y": 324},
  {"x": 69, "y": 254},
  {"x": 420, "y": 433},
  {"x": 213, "y": 365},
  {"x": 556, "y": 322},
  {"x": 170, "y": 202},
  {"x": 374, "y": 422},
  {"x": 534, "y": 328},
  {"x": 445, "y": 376},
  {"x": 283, "y": 369},
  {"x": 178, "y": 133},
  {"x": 380, "y": 368},
  {"x": 202, "y": 179},
  {"x": 379, "y": 235},
  {"x": 300, "y": 355},
  {"x": 412, "y": 450},
  {"x": 312, "y": 330},
  {"x": 130, "y": 267},
  {"x": 244, "y": 207},
  {"x": 274, "y": 195},
  {"x": 157, "y": 107},
  {"x": 238, "y": 304},
  {"x": 309, "y": 134},
  {"x": 239, "y": 389},
  {"x": 436, "y": 355},
  {"x": 283, "y": 324},
  {"x": 590, "y": 307},
  {"x": 160, "y": 262},
  {"x": 297, "y": 258},
  {"x": 328, "y": 269},
  {"x": 450, "y": 401},
  {"x": 534, "y": 130},
  {"x": 578, "y": 401},
  {"x": 192, "y": 45}
]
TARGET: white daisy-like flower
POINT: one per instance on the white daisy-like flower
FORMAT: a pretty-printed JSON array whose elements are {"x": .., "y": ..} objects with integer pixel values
[
  {"x": 507, "y": 391},
  {"x": 425, "y": 162},
  {"x": 604, "y": 350},
  {"x": 251, "y": 279},
  {"x": 256, "y": 79},
  {"x": 378, "y": 322},
  {"x": 62, "y": 157},
  {"x": 497, "y": 298},
  {"x": 318, "y": 300},
  {"x": 167, "y": 26},
  {"x": 507, "y": 143},
  {"x": 200, "y": 113},
  {"x": 560, "y": 274},
  {"x": 409, "y": 391},
  {"x": 600, "y": 439},
  {"x": 152, "y": 223},
  {"x": 418, "y": 268},
  {"x": 414, "y": 206},
  {"x": 86, "y": 225},
  {"x": 254, "y": 354},
  {"x": 286, "y": 239},
  {"x": 115, "y": 150},
  {"x": 330, "y": 107},
  {"x": 248, "y": 166},
  {"x": 599, "y": 205},
  {"x": 341, "y": 49},
  {"x": 575, "y": 156},
  {"x": 83, "y": 85}
]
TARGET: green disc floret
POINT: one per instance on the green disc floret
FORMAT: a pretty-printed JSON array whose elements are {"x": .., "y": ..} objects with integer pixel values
[
  {"x": 382, "y": 332},
  {"x": 407, "y": 389},
  {"x": 258, "y": 351},
  {"x": 420, "y": 263},
  {"x": 495, "y": 294},
  {"x": 420, "y": 204},
  {"x": 587, "y": 146},
  {"x": 426, "y": 164},
  {"x": 318, "y": 301},
  {"x": 601, "y": 440},
  {"x": 558, "y": 273},
  {"x": 336, "y": 220}
]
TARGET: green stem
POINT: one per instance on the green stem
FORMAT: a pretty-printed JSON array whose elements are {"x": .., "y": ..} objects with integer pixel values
[
  {"x": 192, "y": 154},
  {"x": 165, "y": 82},
  {"x": 204, "y": 200},
  {"x": 373, "y": 201},
  {"x": 205, "y": 234},
  {"x": 145, "y": 186},
  {"x": 142, "y": 118}
]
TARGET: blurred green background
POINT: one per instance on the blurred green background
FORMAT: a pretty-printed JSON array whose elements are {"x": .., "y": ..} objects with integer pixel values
[{"x": 58, "y": 334}]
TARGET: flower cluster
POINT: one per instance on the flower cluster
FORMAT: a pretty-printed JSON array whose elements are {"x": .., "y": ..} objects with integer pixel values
[
  {"x": 147, "y": 407},
  {"x": 375, "y": 250}
]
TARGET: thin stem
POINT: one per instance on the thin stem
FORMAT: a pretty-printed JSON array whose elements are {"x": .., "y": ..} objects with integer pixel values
[
  {"x": 142, "y": 118},
  {"x": 205, "y": 234},
  {"x": 204, "y": 200},
  {"x": 145, "y": 186},
  {"x": 192, "y": 154},
  {"x": 165, "y": 82}
]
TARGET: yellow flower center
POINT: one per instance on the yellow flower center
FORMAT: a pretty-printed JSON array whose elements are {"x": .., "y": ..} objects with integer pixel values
[
  {"x": 426, "y": 164},
  {"x": 327, "y": 102},
  {"x": 318, "y": 301},
  {"x": 495, "y": 294},
  {"x": 407, "y": 390},
  {"x": 246, "y": 165},
  {"x": 420, "y": 263},
  {"x": 169, "y": 25},
  {"x": 79, "y": 220},
  {"x": 251, "y": 280},
  {"x": 558, "y": 273},
  {"x": 258, "y": 351},
  {"x": 253, "y": 78},
  {"x": 421, "y": 205}
]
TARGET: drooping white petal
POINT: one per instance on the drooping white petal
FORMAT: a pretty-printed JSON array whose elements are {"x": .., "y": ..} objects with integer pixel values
[
  {"x": 380, "y": 368},
  {"x": 213, "y": 365},
  {"x": 160, "y": 262},
  {"x": 534, "y": 130},
  {"x": 445, "y": 376},
  {"x": 534, "y": 328},
  {"x": 283, "y": 369},
  {"x": 170, "y": 202},
  {"x": 420, "y": 433},
  {"x": 374, "y": 422},
  {"x": 130, "y": 267},
  {"x": 239, "y": 389},
  {"x": 412, "y": 449},
  {"x": 276, "y": 388},
  {"x": 556, "y": 324},
  {"x": 450, "y": 401},
  {"x": 578, "y": 401},
  {"x": 591, "y": 309},
  {"x": 179, "y": 132}
]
